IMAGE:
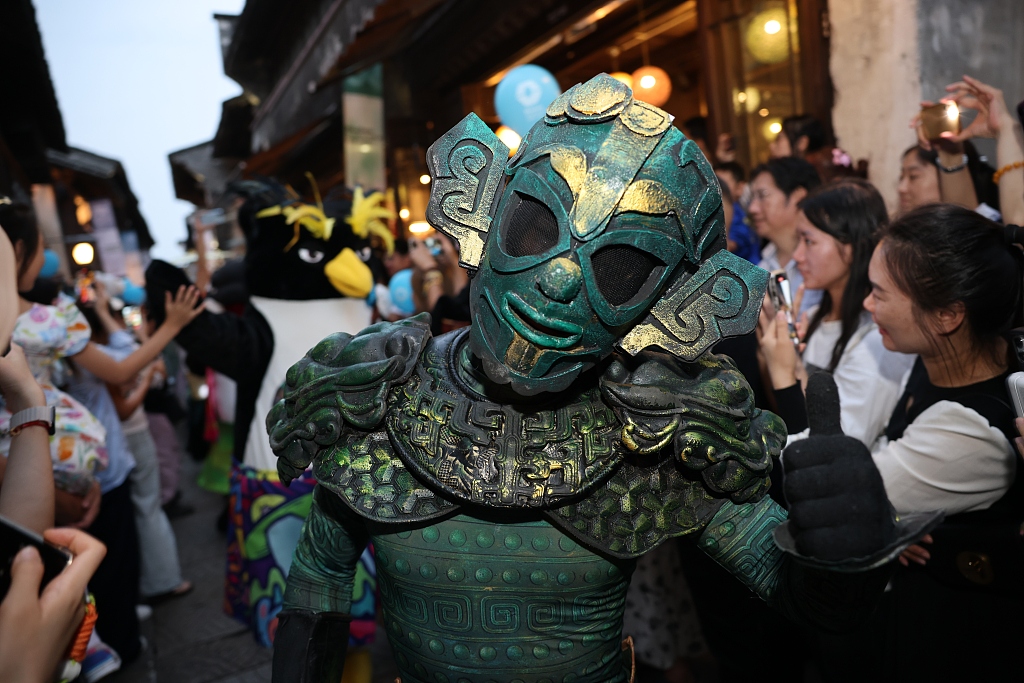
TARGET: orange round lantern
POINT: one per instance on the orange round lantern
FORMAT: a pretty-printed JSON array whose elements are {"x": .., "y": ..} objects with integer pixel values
[
  {"x": 623, "y": 77},
  {"x": 651, "y": 85}
]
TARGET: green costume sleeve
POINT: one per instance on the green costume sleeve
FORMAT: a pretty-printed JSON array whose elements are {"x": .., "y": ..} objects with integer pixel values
[
  {"x": 739, "y": 537},
  {"x": 324, "y": 566}
]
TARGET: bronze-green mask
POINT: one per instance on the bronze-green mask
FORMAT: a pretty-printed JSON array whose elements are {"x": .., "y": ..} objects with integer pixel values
[{"x": 608, "y": 230}]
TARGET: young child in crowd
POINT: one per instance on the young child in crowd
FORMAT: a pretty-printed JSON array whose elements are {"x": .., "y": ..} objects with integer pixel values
[
  {"x": 48, "y": 333},
  {"x": 36, "y": 628}
]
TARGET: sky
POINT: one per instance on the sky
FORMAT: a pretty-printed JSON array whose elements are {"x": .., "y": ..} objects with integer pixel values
[{"x": 136, "y": 80}]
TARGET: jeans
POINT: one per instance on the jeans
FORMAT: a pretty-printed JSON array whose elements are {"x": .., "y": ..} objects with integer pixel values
[
  {"x": 168, "y": 452},
  {"x": 158, "y": 548}
]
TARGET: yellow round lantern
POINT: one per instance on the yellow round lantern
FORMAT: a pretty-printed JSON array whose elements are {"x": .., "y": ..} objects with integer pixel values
[
  {"x": 623, "y": 77},
  {"x": 651, "y": 85},
  {"x": 767, "y": 36}
]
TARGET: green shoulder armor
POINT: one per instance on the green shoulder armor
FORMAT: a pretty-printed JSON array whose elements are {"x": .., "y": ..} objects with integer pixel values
[{"x": 342, "y": 383}]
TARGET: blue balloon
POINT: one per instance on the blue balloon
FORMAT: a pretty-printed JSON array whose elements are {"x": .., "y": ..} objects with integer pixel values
[
  {"x": 400, "y": 286},
  {"x": 133, "y": 295},
  {"x": 50, "y": 264},
  {"x": 523, "y": 95}
]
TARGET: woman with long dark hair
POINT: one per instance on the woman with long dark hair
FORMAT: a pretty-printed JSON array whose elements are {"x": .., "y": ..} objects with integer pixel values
[
  {"x": 946, "y": 287},
  {"x": 837, "y": 229}
]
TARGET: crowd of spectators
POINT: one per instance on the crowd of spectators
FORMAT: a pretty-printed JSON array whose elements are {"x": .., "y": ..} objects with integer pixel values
[{"x": 912, "y": 312}]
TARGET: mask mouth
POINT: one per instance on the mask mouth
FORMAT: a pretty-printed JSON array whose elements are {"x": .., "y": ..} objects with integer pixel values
[{"x": 538, "y": 329}]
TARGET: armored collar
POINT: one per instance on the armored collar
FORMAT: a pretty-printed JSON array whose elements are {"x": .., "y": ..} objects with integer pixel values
[{"x": 500, "y": 455}]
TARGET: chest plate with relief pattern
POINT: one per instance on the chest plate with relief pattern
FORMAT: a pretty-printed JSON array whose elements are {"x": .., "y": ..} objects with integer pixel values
[{"x": 498, "y": 454}]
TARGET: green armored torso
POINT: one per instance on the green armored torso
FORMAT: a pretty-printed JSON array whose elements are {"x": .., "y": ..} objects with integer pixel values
[
  {"x": 505, "y": 534},
  {"x": 521, "y": 601},
  {"x": 510, "y": 474}
]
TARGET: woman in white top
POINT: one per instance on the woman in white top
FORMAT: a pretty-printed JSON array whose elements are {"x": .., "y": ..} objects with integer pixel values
[
  {"x": 837, "y": 229},
  {"x": 946, "y": 286}
]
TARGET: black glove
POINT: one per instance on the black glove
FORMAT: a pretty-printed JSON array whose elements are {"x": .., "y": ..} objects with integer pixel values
[
  {"x": 310, "y": 647},
  {"x": 837, "y": 502}
]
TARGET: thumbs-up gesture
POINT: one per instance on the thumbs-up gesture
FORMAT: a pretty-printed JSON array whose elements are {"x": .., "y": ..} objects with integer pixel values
[{"x": 838, "y": 508}]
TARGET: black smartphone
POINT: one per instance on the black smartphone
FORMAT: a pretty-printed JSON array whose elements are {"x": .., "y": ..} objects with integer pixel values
[
  {"x": 14, "y": 537},
  {"x": 1020, "y": 112}
]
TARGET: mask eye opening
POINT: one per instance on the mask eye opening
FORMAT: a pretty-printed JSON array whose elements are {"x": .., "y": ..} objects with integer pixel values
[
  {"x": 531, "y": 230},
  {"x": 625, "y": 274}
]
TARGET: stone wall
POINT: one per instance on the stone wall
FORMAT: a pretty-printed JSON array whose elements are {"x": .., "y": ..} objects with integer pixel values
[
  {"x": 982, "y": 38},
  {"x": 876, "y": 72},
  {"x": 888, "y": 55}
]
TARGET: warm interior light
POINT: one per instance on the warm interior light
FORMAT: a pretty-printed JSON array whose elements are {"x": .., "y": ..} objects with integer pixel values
[
  {"x": 424, "y": 179},
  {"x": 772, "y": 27},
  {"x": 419, "y": 227},
  {"x": 509, "y": 137},
  {"x": 623, "y": 77},
  {"x": 653, "y": 85},
  {"x": 404, "y": 213},
  {"x": 83, "y": 253},
  {"x": 775, "y": 127},
  {"x": 365, "y": 148},
  {"x": 83, "y": 211},
  {"x": 952, "y": 111},
  {"x": 741, "y": 97},
  {"x": 763, "y": 112}
]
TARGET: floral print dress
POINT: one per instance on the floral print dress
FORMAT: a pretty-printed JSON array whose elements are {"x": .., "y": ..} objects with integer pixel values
[{"x": 78, "y": 447}]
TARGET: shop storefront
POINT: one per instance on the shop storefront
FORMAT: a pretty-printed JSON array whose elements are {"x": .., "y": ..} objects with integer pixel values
[{"x": 739, "y": 66}]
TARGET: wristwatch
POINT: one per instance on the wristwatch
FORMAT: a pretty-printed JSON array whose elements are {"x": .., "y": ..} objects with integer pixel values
[
  {"x": 952, "y": 169},
  {"x": 44, "y": 416}
]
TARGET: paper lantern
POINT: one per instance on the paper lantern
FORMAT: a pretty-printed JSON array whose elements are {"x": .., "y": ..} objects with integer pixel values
[
  {"x": 651, "y": 85},
  {"x": 623, "y": 77},
  {"x": 767, "y": 36}
]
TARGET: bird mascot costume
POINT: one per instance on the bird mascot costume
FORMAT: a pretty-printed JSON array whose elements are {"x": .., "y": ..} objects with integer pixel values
[{"x": 307, "y": 276}]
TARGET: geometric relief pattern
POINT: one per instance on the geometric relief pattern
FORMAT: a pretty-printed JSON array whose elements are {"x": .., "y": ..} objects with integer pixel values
[
  {"x": 499, "y": 614},
  {"x": 363, "y": 470},
  {"x": 453, "y": 613},
  {"x": 638, "y": 508},
  {"x": 545, "y": 615},
  {"x": 499, "y": 455},
  {"x": 466, "y": 599},
  {"x": 740, "y": 538}
]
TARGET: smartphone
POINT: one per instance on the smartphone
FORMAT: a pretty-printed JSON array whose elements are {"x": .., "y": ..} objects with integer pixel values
[
  {"x": 1020, "y": 112},
  {"x": 14, "y": 537},
  {"x": 940, "y": 118},
  {"x": 434, "y": 245},
  {"x": 1015, "y": 387},
  {"x": 781, "y": 295}
]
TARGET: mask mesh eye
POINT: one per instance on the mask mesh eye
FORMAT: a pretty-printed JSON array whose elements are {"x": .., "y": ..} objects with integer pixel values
[
  {"x": 621, "y": 271},
  {"x": 532, "y": 229}
]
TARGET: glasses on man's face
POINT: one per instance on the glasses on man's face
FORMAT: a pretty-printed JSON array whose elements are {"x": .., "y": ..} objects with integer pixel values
[{"x": 761, "y": 194}]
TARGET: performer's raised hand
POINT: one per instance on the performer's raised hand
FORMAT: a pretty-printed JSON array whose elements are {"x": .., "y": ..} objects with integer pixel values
[{"x": 837, "y": 501}]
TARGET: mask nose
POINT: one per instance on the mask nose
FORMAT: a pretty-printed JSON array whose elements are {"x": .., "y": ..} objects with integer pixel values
[{"x": 560, "y": 280}]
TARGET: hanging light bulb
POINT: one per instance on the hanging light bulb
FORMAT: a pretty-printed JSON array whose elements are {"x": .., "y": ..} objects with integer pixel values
[
  {"x": 651, "y": 85},
  {"x": 83, "y": 253}
]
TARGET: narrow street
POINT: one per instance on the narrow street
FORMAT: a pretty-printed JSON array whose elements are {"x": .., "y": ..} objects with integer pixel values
[{"x": 191, "y": 639}]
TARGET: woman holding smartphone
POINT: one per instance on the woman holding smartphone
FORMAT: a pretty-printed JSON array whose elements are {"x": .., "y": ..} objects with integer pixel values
[
  {"x": 946, "y": 286},
  {"x": 837, "y": 232}
]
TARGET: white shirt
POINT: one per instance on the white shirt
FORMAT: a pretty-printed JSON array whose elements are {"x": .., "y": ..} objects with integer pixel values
[
  {"x": 949, "y": 459},
  {"x": 869, "y": 376}
]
